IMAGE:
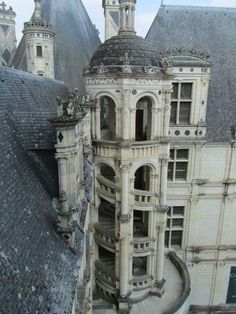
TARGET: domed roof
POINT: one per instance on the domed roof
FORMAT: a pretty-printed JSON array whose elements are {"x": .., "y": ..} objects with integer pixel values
[{"x": 126, "y": 50}]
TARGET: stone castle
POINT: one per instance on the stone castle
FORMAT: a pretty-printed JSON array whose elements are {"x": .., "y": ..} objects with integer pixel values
[{"x": 119, "y": 192}]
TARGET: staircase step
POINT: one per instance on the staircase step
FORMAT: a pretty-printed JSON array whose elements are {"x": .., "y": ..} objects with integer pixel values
[{"x": 100, "y": 304}]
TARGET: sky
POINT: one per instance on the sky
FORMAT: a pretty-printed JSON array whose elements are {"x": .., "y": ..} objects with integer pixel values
[{"x": 145, "y": 13}]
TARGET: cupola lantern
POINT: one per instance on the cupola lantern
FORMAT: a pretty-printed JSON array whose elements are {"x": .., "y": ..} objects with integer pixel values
[{"x": 127, "y": 16}]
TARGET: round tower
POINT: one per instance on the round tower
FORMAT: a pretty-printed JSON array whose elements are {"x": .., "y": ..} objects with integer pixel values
[
  {"x": 130, "y": 127},
  {"x": 39, "y": 44}
]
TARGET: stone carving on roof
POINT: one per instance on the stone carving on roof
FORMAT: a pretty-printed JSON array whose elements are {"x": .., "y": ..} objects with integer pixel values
[
  {"x": 4, "y": 9},
  {"x": 185, "y": 52},
  {"x": 74, "y": 106}
]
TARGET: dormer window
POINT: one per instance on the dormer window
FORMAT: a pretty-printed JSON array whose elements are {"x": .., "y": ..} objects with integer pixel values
[
  {"x": 181, "y": 103},
  {"x": 39, "y": 51}
]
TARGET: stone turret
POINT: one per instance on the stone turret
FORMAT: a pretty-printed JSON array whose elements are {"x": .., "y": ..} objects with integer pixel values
[
  {"x": 7, "y": 34},
  {"x": 112, "y": 17},
  {"x": 39, "y": 44}
]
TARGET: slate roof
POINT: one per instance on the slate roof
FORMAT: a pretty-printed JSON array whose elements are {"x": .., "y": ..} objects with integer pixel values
[
  {"x": 212, "y": 29},
  {"x": 140, "y": 52},
  {"x": 36, "y": 266},
  {"x": 76, "y": 40}
]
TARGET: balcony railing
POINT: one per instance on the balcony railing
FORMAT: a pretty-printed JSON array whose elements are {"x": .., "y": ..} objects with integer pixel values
[
  {"x": 141, "y": 282},
  {"x": 105, "y": 273},
  {"x": 143, "y": 199},
  {"x": 139, "y": 149},
  {"x": 106, "y": 187},
  {"x": 145, "y": 149},
  {"x": 104, "y": 237},
  {"x": 142, "y": 244}
]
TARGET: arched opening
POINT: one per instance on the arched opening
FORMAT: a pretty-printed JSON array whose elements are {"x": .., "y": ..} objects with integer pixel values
[
  {"x": 140, "y": 224},
  {"x": 107, "y": 118},
  {"x": 107, "y": 172},
  {"x": 106, "y": 211},
  {"x": 143, "y": 119},
  {"x": 142, "y": 178}
]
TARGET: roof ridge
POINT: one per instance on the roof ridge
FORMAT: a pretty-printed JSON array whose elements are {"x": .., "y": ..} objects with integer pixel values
[{"x": 197, "y": 7}]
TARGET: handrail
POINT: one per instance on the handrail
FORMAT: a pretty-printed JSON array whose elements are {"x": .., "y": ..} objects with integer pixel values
[
  {"x": 106, "y": 181},
  {"x": 143, "y": 192},
  {"x": 100, "y": 228},
  {"x": 182, "y": 268}
]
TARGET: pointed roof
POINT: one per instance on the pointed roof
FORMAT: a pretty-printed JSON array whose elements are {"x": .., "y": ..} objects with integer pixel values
[
  {"x": 76, "y": 40},
  {"x": 201, "y": 29}
]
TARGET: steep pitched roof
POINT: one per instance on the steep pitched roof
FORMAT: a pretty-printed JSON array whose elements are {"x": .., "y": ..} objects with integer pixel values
[
  {"x": 36, "y": 266},
  {"x": 76, "y": 40},
  {"x": 212, "y": 29}
]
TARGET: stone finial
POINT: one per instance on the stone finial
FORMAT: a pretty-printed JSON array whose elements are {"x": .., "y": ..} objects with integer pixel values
[
  {"x": 3, "y": 6},
  {"x": 37, "y": 12}
]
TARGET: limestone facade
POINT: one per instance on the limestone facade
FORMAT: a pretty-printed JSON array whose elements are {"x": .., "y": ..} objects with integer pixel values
[{"x": 7, "y": 34}]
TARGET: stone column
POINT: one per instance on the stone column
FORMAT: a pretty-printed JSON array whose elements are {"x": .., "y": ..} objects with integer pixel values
[
  {"x": 167, "y": 102},
  {"x": 125, "y": 190},
  {"x": 164, "y": 174},
  {"x": 124, "y": 236},
  {"x": 98, "y": 122},
  {"x": 132, "y": 123},
  {"x": 160, "y": 255},
  {"x": 130, "y": 18},
  {"x": 154, "y": 123},
  {"x": 126, "y": 114},
  {"x": 62, "y": 173},
  {"x": 133, "y": 17}
]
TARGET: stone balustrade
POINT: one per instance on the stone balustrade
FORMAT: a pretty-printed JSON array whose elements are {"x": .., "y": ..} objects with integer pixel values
[
  {"x": 142, "y": 244},
  {"x": 143, "y": 198},
  {"x": 106, "y": 187},
  {"x": 104, "y": 238},
  {"x": 138, "y": 149},
  {"x": 141, "y": 282}
]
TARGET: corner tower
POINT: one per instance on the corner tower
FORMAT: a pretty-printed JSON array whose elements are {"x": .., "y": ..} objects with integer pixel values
[
  {"x": 7, "y": 34},
  {"x": 39, "y": 44},
  {"x": 112, "y": 17},
  {"x": 130, "y": 129}
]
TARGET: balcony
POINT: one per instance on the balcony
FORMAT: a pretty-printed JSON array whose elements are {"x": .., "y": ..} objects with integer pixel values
[
  {"x": 138, "y": 149},
  {"x": 144, "y": 200},
  {"x": 105, "y": 234},
  {"x": 105, "y": 279},
  {"x": 142, "y": 245},
  {"x": 106, "y": 188},
  {"x": 141, "y": 282}
]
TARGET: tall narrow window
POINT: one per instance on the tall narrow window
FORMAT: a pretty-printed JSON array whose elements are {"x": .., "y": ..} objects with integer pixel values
[
  {"x": 181, "y": 103},
  {"x": 178, "y": 165},
  {"x": 174, "y": 226},
  {"x": 39, "y": 51}
]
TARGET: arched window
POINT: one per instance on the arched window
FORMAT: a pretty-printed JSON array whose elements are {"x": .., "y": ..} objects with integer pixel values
[
  {"x": 107, "y": 118},
  {"x": 143, "y": 119},
  {"x": 142, "y": 178}
]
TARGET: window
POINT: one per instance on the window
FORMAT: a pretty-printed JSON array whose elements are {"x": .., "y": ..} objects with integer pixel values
[
  {"x": 181, "y": 103},
  {"x": 178, "y": 165},
  {"x": 174, "y": 226},
  {"x": 39, "y": 50}
]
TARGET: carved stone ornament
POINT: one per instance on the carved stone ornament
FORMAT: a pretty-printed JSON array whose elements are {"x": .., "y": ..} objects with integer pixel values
[
  {"x": 124, "y": 218},
  {"x": 181, "y": 51},
  {"x": 73, "y": 107},
  {"x": 102, "y": 68}
]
